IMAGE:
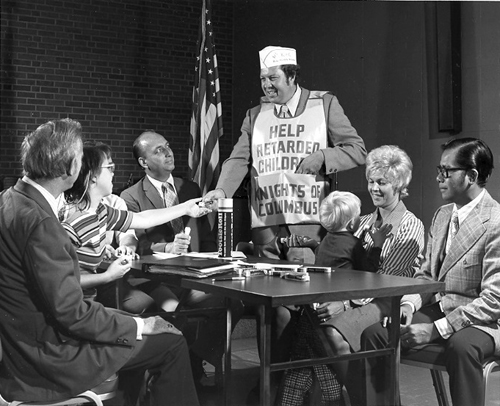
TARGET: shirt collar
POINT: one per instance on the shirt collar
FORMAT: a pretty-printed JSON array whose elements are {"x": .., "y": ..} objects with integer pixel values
[
  {"x": 464, "y": 211},
  {"x": 292, "y": 104},
  {"x": 158, "y": 184},
  {"x": 53, "y": 202}
]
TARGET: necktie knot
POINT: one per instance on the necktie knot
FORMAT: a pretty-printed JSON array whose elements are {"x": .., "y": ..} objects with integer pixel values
[{"x": 284, "y": 112}]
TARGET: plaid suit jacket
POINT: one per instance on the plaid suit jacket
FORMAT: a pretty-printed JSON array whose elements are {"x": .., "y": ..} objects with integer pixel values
[{"x": 470, "y": 270}]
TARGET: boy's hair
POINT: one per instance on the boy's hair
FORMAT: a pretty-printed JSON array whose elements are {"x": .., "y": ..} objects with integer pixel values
[{"x": 337, "y": 209}]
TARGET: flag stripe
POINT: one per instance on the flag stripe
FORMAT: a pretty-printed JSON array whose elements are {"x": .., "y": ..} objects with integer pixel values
[{"x": 206, "y": 118}]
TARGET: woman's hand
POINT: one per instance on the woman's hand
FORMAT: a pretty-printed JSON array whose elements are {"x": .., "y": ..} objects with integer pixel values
[
  {"x": 118, "y": 268},
  {"x": 196, "y": 208},
  {"x": 124, "y": 250},
  {"x": 109, "y": 253},
  {"x": 325, "y": 311}
]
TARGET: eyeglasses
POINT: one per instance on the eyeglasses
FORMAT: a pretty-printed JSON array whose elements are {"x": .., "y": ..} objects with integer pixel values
[
  {"x": 110, "y": 166},
  {"x": 445, "y": 172}
]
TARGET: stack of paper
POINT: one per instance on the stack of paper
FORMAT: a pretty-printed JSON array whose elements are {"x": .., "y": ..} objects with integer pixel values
[{"x": 192, "y": 266}]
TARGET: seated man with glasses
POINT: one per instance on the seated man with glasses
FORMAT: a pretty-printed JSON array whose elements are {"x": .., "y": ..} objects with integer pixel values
[{"x": 463, "y": 251}]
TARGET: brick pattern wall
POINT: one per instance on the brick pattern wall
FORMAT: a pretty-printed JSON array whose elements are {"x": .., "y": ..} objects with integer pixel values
[{"x": 118, "y": 67}]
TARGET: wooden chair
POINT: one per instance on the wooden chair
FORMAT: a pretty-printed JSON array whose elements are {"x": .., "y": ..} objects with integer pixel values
[
  {"x": 106, "y": 390},
  {"x": 432, "y": 357}
]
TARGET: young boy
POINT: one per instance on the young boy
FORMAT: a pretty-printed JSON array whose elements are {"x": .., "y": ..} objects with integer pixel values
[{"x": 339, "y": 215}]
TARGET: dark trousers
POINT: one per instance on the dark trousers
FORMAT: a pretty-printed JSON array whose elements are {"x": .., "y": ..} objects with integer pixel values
[
  {"x": 166, "y": 357},
  {"x": 465, "y": 351}
]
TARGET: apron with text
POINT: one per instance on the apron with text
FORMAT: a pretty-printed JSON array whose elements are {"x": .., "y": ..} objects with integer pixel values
[{"x": 278, "y": 194}]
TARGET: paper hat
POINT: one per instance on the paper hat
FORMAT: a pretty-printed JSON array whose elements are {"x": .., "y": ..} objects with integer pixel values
[{"x": 275, "y": 56}]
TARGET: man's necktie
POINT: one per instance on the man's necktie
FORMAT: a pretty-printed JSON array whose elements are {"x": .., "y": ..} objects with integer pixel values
[
  {"x": 454, "y": 224},
  {"x": 170, "y": 199},
  {"x": 284, "y": 111}
]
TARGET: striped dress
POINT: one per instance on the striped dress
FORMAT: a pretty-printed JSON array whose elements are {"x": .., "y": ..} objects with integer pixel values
[
  {"x": 402, "y": 252},
  {"x": 87, "y": 232}
]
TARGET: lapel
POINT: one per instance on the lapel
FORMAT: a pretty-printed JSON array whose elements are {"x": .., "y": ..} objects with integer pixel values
[
  {"x": 470, "y": 231},
  {"x": 178, "y": 182},
  {"x": 29, "y": 191},
  {"x": 152, "y": 193},
  {"x": 302, "y": 102}
]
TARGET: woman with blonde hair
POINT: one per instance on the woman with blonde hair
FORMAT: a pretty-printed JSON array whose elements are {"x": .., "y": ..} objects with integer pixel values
[{"x": 388, "y": 172}]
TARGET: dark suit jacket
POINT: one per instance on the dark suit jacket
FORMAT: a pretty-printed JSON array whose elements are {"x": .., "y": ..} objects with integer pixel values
[
  {"x": 55, "y": 344},
  {"x": 144, "y": 196}
]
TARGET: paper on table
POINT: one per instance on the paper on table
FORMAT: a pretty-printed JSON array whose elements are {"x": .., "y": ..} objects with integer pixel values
[
  {"x": 234, "y": 254},
  {"x": 164, "y": 255}
]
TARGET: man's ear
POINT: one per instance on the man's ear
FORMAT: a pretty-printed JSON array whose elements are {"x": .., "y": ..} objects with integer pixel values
[
  {"x": 143, "y": 163},
  {"x": 473, "y": 175},
  {"x": 73, "y": 166}
]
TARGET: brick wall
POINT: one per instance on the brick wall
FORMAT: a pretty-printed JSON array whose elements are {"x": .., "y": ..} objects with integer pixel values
[{"x": 118, "y": 67}]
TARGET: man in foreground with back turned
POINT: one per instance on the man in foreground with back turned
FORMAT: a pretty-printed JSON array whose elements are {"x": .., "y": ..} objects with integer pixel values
[
  {"x": 55, "y": 343},
  {"x": 463, "y": 251}
]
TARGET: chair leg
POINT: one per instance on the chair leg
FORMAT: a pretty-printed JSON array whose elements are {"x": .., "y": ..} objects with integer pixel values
[
  {"x": 488, "y": 386},
  {"x": 438, "y": 382},
  {"x": 219, "y": 373}
]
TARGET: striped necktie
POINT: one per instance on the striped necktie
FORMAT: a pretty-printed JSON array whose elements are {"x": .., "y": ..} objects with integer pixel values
[
  {"x": 454, "y": 224},
  {"x": 170, "y": 199}
]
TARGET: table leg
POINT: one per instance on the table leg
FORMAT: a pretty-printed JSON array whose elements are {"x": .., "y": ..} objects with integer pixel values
[
  {"x": 227, "y": 355},
  {"x": 393, "y": 372},
  {"x": 265, "y": 355}
]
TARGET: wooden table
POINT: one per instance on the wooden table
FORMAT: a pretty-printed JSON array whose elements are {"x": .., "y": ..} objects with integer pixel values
[{"x": 271, "y": 291}]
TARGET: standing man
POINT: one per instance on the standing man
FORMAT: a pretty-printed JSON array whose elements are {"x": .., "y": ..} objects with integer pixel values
[
  {"x": 153, "y": 153},
  {"x": 463, "y": 251},
  {"x": 55, "y": 343},
  {"x": 293, "y": 142}
]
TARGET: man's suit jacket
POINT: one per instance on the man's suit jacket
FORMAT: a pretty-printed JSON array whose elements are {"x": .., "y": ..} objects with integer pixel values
[
  {"x": 470, "y": 270},
  {"x": 144, "y": 196},
  {"x": 55, "y": 344}
]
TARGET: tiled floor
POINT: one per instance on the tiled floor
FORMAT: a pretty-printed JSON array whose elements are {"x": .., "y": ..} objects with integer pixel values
[{"x": 416, "y": 383}]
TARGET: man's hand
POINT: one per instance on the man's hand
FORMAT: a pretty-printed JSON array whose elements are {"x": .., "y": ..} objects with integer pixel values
[
  {"x": 181, "y": 243},
  {"x": 211, "y": 198},
  {"x": 156, "y": 325},
  {"x": 406, "y": 314},
  {"x": 311, "y": 164},
  {"x": 418, "y": 334}
]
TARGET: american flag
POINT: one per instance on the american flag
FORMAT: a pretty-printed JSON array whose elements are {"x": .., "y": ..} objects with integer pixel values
[{"x": 206, "y": 119}]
